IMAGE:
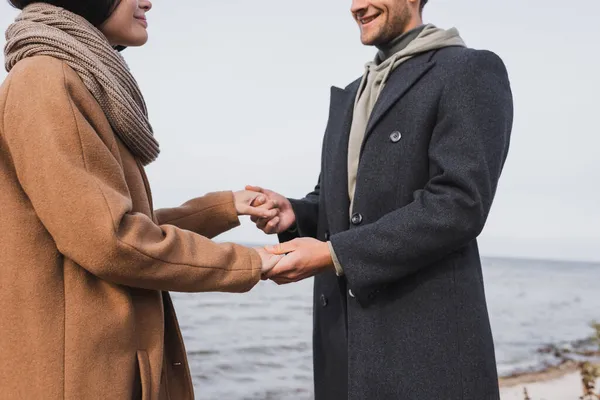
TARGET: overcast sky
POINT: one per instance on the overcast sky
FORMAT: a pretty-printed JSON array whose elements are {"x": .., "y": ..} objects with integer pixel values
[{"x": 238, "y": 93}]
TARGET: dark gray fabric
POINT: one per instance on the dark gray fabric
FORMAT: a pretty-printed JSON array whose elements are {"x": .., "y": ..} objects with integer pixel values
[
  {"x": 418, "y": 326},
  {"x": 397, "y": 45}
]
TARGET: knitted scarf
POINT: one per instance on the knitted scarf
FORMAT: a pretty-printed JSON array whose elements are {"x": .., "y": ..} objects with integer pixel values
[{"x": 46, "y": 30}]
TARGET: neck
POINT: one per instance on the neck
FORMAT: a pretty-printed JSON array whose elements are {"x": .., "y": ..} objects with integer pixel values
[
  {"x": 415, "y": 21},
  {"x": 397, "y": 44}
]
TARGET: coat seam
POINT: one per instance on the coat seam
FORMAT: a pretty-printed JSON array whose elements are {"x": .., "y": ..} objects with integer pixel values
[
  {"x": 3, "y": 132},
  {"x": 462, "y": 389},
  {"x": 173, "y": 221},
  {"x": 64, "y": 280},
  {"x": 5, "y": 107}
]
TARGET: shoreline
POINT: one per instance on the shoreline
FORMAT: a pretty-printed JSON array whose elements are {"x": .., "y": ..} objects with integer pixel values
[
  {"x": 569, "y": 357},
  {"x": 567, "y": 367},
  {"x": 566, "y": 387}
]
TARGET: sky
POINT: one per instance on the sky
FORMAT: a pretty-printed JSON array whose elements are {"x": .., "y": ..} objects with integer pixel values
[{"x": 238, "y": 93}]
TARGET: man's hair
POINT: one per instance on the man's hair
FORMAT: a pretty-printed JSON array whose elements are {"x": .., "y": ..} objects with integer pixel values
[
  {"x": 95, "y": 11},
  {"x": 423, "y": 2}
]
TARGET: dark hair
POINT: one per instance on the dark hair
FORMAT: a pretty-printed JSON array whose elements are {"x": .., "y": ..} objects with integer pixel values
[
  {"x": 95, "y": 11},
  {"x": 423, "y": 2}
]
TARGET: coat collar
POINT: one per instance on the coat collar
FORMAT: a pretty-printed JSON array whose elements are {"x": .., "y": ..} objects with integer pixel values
[
  {"x": 400, "y": 82},
  {"x": 342, "y": 104}
]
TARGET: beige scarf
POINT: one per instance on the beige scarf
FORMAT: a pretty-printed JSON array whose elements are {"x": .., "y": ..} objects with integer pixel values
[
  {"x": 373, "y": 82},
  {"x": 46, "y": 30}
]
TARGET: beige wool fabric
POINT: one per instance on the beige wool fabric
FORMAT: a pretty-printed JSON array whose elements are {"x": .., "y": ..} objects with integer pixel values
[{"x": 46, "y": 30}]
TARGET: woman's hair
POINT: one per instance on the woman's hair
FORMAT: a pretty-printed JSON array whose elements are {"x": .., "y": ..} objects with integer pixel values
[{"x": 95, "y": 11}]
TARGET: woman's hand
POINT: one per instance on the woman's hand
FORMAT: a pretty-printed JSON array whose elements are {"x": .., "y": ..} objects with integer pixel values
[
  {"x": 265, "y": 208},
  {"x": 268, "y": 260},
  {"x": 282, "y": 221}
]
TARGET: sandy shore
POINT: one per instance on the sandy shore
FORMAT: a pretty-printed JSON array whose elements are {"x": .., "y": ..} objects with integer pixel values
[
  {"x": 562, "y": 382},
  {"x": 567, "y": 387}
]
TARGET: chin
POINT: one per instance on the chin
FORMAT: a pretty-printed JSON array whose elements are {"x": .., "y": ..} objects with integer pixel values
[
  {"x": 137, "y": 41},
  {"x": 368, "y": 40},
  {"x": 372, "y": 37}
]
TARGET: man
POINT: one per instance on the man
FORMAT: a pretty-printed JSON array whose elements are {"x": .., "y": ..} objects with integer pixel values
[{"x": 411, "y": 159}]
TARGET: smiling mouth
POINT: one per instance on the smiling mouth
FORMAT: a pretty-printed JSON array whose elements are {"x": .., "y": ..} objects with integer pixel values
[
  {"x": 142, "y": 20},
  {"x": 368, "y": 20}
]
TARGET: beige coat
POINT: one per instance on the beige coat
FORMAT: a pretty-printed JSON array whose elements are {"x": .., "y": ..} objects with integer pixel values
[{"x": 85, "y": 262}]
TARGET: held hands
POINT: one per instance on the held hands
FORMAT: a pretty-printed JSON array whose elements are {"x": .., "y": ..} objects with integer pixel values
[
  {"x": 254, "y": 204},
  {"x": 283, "y": 218},
  {"x": 291, "y": 261},
  {"x": 268, "y": 260},
  {"x": 303, "y": 258},
  {"x": 258, "y": 206}
]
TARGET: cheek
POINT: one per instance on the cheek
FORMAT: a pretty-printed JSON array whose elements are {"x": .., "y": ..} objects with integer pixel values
[{"x": 131, "y": 33}]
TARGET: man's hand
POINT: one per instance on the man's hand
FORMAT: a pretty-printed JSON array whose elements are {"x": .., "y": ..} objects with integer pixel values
[
  {"x": 304, "y": 257},
  {"x": 254, "y": 204},
  {"x": 284, "y": 218},
  {"x": 268, "y": 260}
]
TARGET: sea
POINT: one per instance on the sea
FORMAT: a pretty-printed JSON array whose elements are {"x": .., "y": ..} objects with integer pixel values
[{"x": 257, "y": 345}]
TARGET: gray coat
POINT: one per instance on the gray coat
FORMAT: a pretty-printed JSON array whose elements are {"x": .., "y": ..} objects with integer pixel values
[{"x": 409, "y": 318}]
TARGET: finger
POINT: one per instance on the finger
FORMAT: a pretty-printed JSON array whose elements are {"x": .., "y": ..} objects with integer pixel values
[
  {"x": 254, "y": 188},
  {"x": 260, "y": 212},
  {"x": 269, "y": 205},
  {"x": 282, "y": 268},
  {"x": 261, "y": 223},
  {"x": 272, "y": 273},
  {"x": 282, "y": 281},
  {"x": 266, "y": 268},
  {"x": 282, "y": 248},
  {"x": 269, "y": 264},
  {"x": 272, "y": 225},
  {"x": 258, "y": 201}
]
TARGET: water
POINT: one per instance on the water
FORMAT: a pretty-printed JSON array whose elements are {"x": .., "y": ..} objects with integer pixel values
[
  {"x": 536, "y": 303},
  {"x": 258, "y": 345}
]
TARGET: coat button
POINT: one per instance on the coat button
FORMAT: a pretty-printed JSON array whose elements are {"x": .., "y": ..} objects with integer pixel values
[
  {"x": 395, "y": 136},
  {"x": 327, "y": 236},
  {"x": 356, "y": 219},
  {"x": 324, "y": 300},
  {"x": 350, "y": 293}
]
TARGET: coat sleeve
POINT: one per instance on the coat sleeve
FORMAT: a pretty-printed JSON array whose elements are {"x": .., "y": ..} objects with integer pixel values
[
  {"x": 209, "y": 215},
  {"x": 307, "y": 216},
  {"x": 468, "y": 147},
  {"x": 77, "y": 189}
]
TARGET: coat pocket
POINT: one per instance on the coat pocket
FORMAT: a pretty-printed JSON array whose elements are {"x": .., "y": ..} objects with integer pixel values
[{"x": 144, "y": 367}]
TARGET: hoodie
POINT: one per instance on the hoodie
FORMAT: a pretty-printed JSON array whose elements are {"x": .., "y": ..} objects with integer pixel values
[
  {"x": 375, "y": 77},
  {"x": 412, "y": 43}
]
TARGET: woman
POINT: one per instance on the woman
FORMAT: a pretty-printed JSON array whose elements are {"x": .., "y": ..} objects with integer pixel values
[{"x": 85, "y": 262}]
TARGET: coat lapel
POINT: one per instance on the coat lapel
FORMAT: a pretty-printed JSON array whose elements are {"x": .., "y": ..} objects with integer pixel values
[
  {"x": 397, "y": 86},
  {"x": 342, "y": 107}
]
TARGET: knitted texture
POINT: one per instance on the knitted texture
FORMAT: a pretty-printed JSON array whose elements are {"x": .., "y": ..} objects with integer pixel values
[{"x": 46, "y": 30}]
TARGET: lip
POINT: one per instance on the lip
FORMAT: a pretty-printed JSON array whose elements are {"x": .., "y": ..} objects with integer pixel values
[
  {"x": 365, "y": 21},
  {"x": 143, "y": 20}
]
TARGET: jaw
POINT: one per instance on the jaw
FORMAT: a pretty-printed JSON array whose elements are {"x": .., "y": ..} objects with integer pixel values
[{"x": 371, "y": 33}]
